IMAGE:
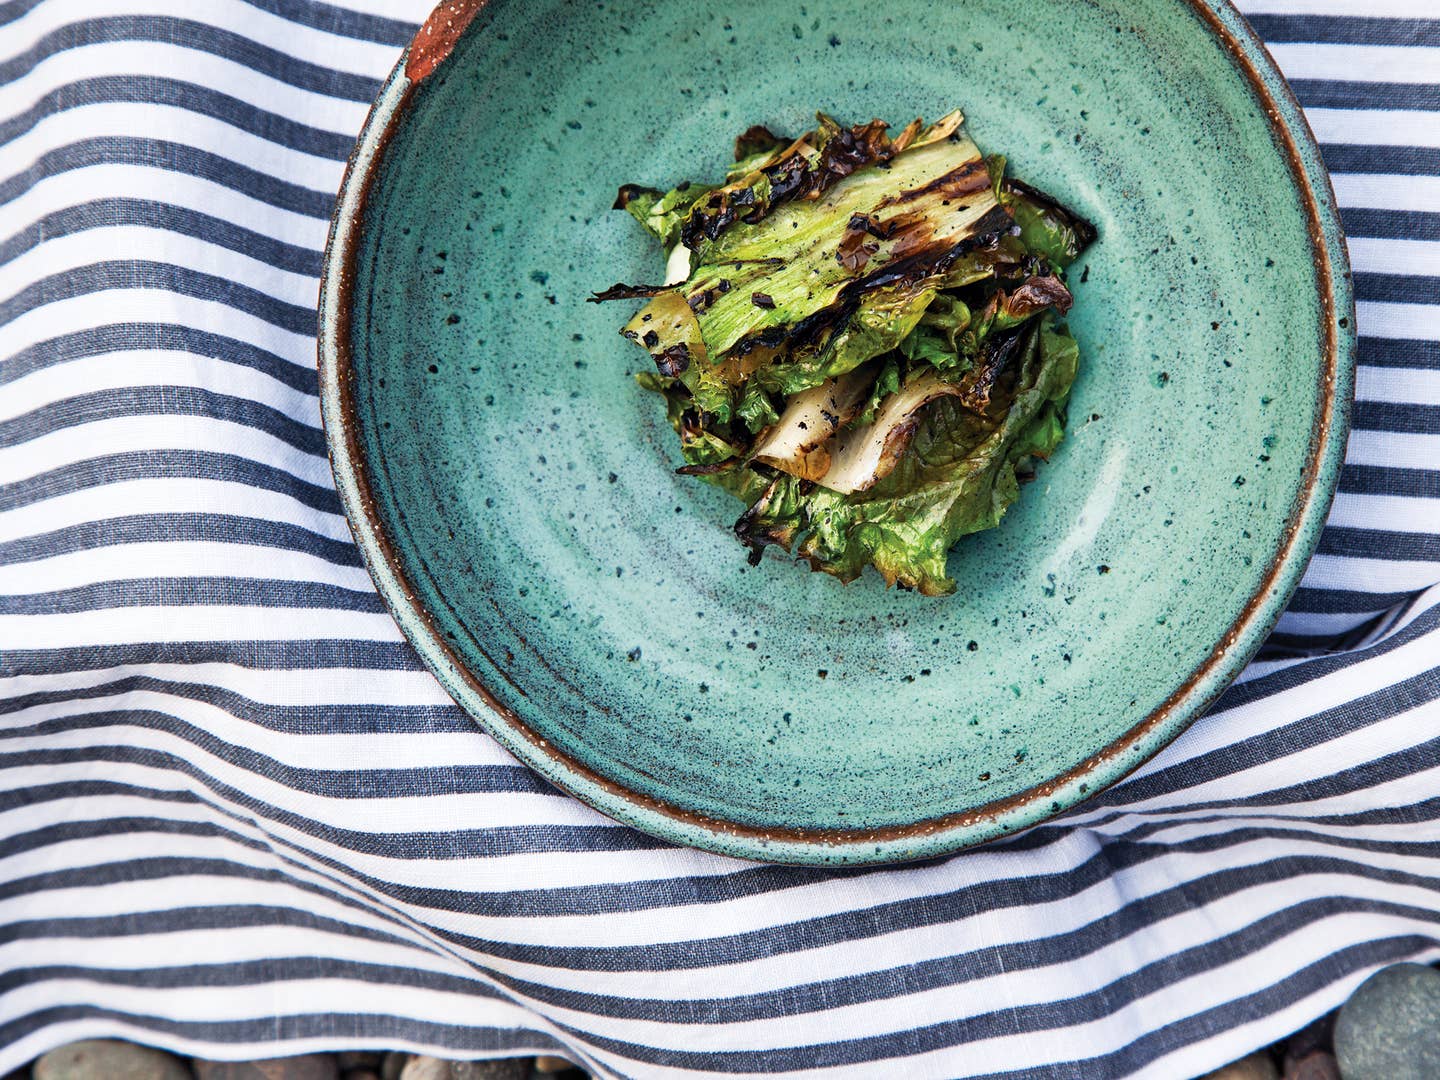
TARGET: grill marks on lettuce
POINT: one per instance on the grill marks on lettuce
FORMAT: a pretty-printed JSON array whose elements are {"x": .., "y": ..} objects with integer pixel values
[
  {"x": 798, "y": 255},
  {"x": 805, "y": 169},
  {"x": 853, "y": 303}
]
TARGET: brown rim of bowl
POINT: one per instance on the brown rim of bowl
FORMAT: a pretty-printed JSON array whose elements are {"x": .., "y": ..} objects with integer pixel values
[{"x": 431, "y": 45}]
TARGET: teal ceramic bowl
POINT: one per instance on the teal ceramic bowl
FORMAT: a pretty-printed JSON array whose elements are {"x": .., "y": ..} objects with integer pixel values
[{"x": 514, "y": 494}]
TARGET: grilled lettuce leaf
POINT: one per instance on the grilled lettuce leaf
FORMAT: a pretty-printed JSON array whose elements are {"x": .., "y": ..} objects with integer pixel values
[
  {"x": 815, "y": 285},
  {"x": 866, "y": 347},
  {"x": 959, "y": 474}
]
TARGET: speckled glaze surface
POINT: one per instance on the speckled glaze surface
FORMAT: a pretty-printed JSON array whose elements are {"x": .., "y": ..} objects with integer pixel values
[{"x": 514, "y": 493}]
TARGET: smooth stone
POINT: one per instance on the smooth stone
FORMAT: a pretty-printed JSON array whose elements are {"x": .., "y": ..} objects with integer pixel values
[
  {"x": 1390, "y": 1027},
  {"x": 1257, "y": 1066},
  {"x": 1316, "y": 1065},
  {"x": 422, "y": 1067},
  {"x": 547, "y": 1063},
  {"x": 1319, "y": 1034},
  {"x": 109, "y": 1059},
  {"x": 299, "y": 1067},
  {"x": 359, "y": 1059},
  {"x": 498, "y": 1069}
]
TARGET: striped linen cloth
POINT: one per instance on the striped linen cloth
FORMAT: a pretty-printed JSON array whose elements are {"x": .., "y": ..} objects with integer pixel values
[{"x": 238, "y": 819}]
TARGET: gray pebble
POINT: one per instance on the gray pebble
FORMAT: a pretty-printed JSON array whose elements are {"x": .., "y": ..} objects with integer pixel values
[
  {"x": 301, "y": 1067},
  {"x": 1316, "y": 1065},
  {"x": 502, "y": 1069},
  {"x": 1390, "y": 1027},
  {"x": 1317, "y": 1035},
  {"x": 109, "y": 1059},
  {"x": 1257, "y": 1066}
]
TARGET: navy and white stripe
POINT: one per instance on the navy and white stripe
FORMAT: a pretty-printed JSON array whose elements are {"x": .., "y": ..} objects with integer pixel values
[{"x": 237, "y": 817}]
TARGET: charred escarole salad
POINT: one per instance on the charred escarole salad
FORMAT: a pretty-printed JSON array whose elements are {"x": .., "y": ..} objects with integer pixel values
[{"x": 859, "y": 337}]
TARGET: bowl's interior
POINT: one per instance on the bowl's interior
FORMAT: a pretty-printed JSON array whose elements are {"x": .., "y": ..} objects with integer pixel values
[{"x": 528, "y": 484}]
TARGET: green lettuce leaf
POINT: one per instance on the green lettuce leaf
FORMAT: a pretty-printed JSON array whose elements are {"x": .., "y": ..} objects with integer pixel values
[
  {"x": 1047, "y": 228},
  {"x": 662, "y": 213},
  {"x": 958, "y": 476},
  {"x": 756, "y": 409},
  {"x": 929, "y": 346},
  {"x": 887, "y": 382}
]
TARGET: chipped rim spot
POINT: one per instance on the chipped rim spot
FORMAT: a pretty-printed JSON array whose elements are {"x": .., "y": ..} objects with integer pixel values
[{"x": 436, "y": 38}]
